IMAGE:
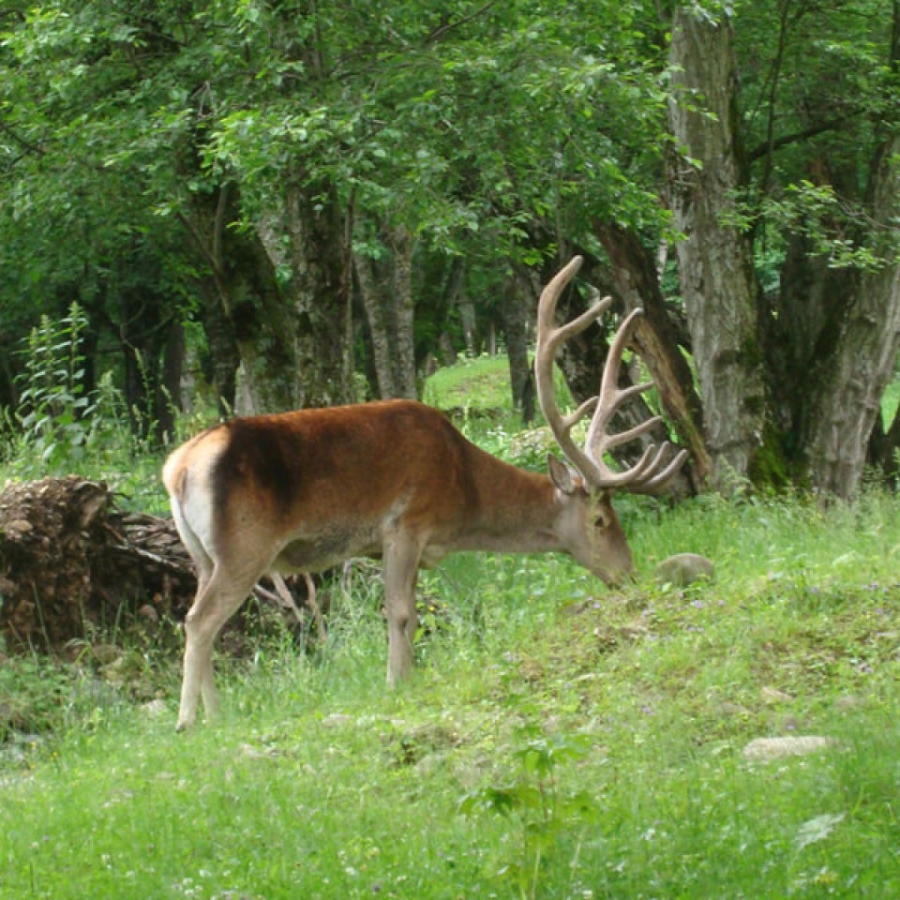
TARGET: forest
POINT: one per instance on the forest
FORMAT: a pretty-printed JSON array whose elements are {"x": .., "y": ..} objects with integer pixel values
[{"x": 261, "y": 205}]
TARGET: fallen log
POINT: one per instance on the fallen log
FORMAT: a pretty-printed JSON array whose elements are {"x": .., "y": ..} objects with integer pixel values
[{"x": 73, "y": 564}]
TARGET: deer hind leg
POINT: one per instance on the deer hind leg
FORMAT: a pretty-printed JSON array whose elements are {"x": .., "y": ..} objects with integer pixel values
[
  {"x": 401, "y": 569},
  {"x": 218, "y": 598}
]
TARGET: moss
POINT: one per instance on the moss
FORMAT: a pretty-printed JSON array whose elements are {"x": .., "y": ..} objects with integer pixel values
[{"x": 769, "y": 468}]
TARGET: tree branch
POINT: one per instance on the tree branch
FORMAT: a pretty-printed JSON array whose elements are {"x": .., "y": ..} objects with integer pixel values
[
  {"x": 440, "y": 32},
  {"x": 22, "y": 142},
  {"x": 797, "y": 137}
]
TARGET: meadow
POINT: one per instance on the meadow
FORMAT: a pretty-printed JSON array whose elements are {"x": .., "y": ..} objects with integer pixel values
[{"x": 558, "y": 739}]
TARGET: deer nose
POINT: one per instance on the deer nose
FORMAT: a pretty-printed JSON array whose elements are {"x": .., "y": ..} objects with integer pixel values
[
  {"x": 620, "y": 572},
  {"x": 619, "y": 577}
]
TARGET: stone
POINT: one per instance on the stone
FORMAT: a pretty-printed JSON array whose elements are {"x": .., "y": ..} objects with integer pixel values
[
  {"x": 685, "y": 569},
  {"x": 769, "y": 749}
]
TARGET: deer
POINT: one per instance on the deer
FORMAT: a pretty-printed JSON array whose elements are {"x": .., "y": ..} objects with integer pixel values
[{"x": 304, "y": 491}]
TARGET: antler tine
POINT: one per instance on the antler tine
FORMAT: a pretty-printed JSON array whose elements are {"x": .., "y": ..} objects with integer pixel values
[
  {"x": 611, "y": 397},
  {"x": 649, "y": 471},
  {"x": 648, "y": 485},
  {"x": 549, "y": 338},
  {"x": 623, "y": 437}
]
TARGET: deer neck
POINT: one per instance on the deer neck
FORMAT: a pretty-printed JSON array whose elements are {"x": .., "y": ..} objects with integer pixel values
[{"x": 514, "y": 511}]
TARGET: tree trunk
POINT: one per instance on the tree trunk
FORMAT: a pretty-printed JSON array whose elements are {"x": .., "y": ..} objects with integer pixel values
[
  {"x": 223, "y": 362},
  {"x": 316, "y": 254},
  {"x": 718, "y": 284},
  {"x": 469, "y": 321},
  {"x": 386, "y": 292},
  {"x": 403, "y": 313},
  {"x": 854, "y": 378},
  {"x": 379, "y": 329},
  {"x": 149, "y": 341},
  {"x": 515, "y": 312},
  {"x": 802, "y": 329},
  {"x": 245, "y": 314},
  {"x": 172, "y": 374}
]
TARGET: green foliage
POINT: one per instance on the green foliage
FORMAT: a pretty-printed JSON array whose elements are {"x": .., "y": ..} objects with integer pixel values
[
  {"x": 34, "y": 693},
  {"x": 57, "y": 416},
  {"x": 812, "y": 210},
  {"x": 537, "y": 807},
  {"x": 60, "y": 428}
]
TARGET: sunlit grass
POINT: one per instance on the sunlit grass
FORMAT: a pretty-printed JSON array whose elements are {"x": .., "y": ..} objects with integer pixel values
[
  {"x": 319, "y": 783},
  {"x": 558, "y": 739},
  {"x": 481, "y": 383}
]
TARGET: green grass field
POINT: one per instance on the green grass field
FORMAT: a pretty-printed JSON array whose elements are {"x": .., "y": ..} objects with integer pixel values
[{"x": 558, "y": 740}]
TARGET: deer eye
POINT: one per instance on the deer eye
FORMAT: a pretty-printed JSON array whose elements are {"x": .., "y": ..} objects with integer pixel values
[{"x": 601, "y": 521}]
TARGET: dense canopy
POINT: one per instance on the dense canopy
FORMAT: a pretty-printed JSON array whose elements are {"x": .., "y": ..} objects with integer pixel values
[{"x": 287, "y": 204}]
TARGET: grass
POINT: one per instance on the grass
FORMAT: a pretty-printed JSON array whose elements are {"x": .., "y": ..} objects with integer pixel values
[
  {"x": 481, "y": 383},
  {"x": 558, "y": 740}
]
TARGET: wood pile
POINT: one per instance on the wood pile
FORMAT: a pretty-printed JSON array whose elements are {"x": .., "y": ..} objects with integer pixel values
[{"x": 73, "y": 565}]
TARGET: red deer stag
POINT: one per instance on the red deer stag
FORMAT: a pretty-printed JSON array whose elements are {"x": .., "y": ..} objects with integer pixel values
[{"x": 304, "y": 491}]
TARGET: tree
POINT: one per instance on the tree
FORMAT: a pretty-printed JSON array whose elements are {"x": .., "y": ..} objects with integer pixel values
[
  {"x": 715, "y": 269},
  {"x": 802, "y": 368},
  {"x": 271, "y": 170}
]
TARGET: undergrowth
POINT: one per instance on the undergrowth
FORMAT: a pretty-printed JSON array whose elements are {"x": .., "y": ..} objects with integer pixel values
[{"x": 62, "y": 428}]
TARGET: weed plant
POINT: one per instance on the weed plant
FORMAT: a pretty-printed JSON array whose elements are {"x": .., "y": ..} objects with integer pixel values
[{"x": 60, "y": 428}]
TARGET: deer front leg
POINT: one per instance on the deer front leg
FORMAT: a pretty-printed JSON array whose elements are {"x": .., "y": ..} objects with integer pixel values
[{"x": 401, "y": 569}]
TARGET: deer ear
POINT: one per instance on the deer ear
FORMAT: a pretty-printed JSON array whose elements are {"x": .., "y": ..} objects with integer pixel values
[{"x": 560, "y": 474}]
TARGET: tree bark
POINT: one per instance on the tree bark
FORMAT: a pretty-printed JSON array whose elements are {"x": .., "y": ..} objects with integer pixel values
[
  {"x": 379, "y": 329},
  {"x": 307, "y": 238},
  {"x": 386, "y": 292},
  {"x": 718, "y": 284},
  {"x": 515, "y": 312},
  {"x": 854, "y": 379},
  {"x": 802, "y": 329},
  {"x": 244, "y": 315},
  {"x": 403, "y": 306}
]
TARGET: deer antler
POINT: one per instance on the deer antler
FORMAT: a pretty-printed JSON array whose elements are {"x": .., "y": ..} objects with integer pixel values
[{"x": 649, "y": 472}]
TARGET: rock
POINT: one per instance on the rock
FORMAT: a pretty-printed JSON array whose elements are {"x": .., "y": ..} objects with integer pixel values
[
  {"x": 106, "y": 654},
  {"x": 848, "y": 703},
  {"x": 154, "y": 708},
  {"x": 148, "y": 614},
  {"x": 248, "y": 751},
  {"x": 337, "y": 720},
  {"x": 768, "y": 749},
  {"x": 684, "y": 569}
]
